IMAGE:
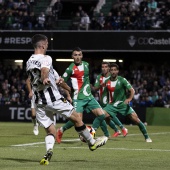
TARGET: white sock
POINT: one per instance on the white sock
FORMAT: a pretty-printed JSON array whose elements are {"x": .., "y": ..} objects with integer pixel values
[
  {"x": 49, "y": 141},
  {"x": 87, "y": 136},
  {"x": 61, "y": 129}
]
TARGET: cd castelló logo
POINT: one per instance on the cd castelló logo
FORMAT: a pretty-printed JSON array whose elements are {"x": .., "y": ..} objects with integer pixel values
[{"x": 132, "y": 40}]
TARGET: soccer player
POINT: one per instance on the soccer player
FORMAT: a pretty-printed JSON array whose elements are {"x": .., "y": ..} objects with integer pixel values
[
  {"x": 98, "y": 86},
  {"x": 48, "y": 99},
  {"x": 82, "y": 98},
  {"x": 116, "y": 87},
  {"x": 31, "y": 95}
]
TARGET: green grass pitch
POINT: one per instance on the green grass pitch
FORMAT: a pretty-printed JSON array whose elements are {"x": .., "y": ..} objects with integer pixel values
[{"x": 20, "y": 149}]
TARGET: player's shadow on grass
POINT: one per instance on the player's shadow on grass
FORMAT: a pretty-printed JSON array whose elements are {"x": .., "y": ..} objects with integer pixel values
[
  {"x": 29, "y": 160},
  {"x": 19, "y": 160}
]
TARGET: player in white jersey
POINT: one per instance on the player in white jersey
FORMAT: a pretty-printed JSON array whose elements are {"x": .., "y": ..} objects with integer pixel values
[
  {"x": 32, "y": 97},
  {"x": 48, "y": 100}
]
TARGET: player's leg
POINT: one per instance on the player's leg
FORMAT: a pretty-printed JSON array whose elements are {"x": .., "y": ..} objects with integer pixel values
[
  {"x": 110, "y": 112},
  {"x": 33, "y": 116},
  {"x": 45, "y": 118},
  {"x": 54, "y": 117},
  {"x": 134, "y": 117},
  {"x": 67, "y": 110},
  {"x": 82, "y": 130},
  {"x": 34, "y": 120},
  {"x": 62, "y": 129},
  {"x": 99, "y": 121},
  {"x": 103, "y": 124},
  {"x": 113, "y": 126},
  {"x": 116, "y": 121},
  {"x": 79, "y": 107}
]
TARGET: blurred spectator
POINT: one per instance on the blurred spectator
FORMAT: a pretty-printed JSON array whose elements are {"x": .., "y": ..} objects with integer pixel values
[
  {"x": 57, "y": 9},
  {"x": 2, "y": 102},
  {"x": 9, "y": 21},
  {"x": 26, "y": 24},
  {"x": 101, "y": 20},
  {"x": 40, "y": 21},
  {"x": 108, "y": 22},
  {"x": 117, "y": 21},
  {"x": 50, "y": 22},
  {"x": 15, "y": 97},
  {"x": 80, "y": 11},
  {"x": 33, "y": 20},
  {"x": 85, "y": 22},
  {"x": 159, "y": 102},
  {"x": 148, "y": 102},
  {"x": 152, "y": 6},
  {"x": 7, "y": 98},
  {"x": 76, "y": 22},
  {"x": 143, "y": 6},
  {"x": 154, "y": 97},
  {"x": 94, "y": 25},
  {"x": 23, "y": 98}
]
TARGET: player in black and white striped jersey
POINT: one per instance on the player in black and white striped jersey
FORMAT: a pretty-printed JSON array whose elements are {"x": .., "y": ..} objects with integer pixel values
[
  {"x": 31, "y": 95},
  {"x": 48, "y": 100}
]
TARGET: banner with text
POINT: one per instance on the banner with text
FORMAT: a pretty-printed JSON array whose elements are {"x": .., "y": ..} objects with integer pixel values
[
  {"x": 11, "y": 113},
  {"x": 104, "y": 41}
]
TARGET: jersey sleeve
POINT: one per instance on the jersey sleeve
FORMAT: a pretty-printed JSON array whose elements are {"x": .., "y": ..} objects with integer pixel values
[
  {"x": 56, "y": 75},
  {"x": 67, "y": 74},
  {"x": 46, "y": 62},
  {"x": 127, "y": 84}
]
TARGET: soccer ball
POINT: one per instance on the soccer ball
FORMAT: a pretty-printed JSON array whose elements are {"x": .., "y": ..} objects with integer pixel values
[{"x": 92, "y": 132}]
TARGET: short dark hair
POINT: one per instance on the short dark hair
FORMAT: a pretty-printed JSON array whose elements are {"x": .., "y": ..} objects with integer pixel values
[
  {"x": 37, "y": 38},
  {"x": 114, "y": 65},
  {"x": 76, "y": 49},
  {"x": 104, "y": 62}
]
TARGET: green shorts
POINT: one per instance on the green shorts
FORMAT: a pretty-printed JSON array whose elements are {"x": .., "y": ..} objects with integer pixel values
[
  {"x": 88, "y": 105},
  {"x": 123, "y": 109}
]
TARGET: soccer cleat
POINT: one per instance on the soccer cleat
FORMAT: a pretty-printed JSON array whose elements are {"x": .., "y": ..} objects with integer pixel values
[
  {"x": 47, "y": 157},
  {"x": 124, "y": 131},
  {"x": 59, "y": 135},
  {"x": 116, "y": 134},
  {"x": 148, "y": 140},
  {"x": 98, "y": 143},
  {"x": 35, "y": 129}
]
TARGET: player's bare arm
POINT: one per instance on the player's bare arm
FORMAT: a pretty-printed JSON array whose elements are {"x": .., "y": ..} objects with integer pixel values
[
  {"x": 28, "y": 85},
  {"x": 60, "y": 82},
  {"x": 44, "y": 76},
  {"x": 132, "y": 92}
]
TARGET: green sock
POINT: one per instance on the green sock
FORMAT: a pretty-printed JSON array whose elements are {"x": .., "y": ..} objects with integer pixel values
[
  {"x": 143, "y": 130},
  {"x": 117, "y": 122},
  {"x": 113, "y": 126},
  {"x": 98, "y": 121},
  {"x": 68, "y": 125},
  {"x": 103, "y": 126}
]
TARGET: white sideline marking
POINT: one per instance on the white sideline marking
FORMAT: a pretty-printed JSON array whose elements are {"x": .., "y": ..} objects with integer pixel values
[
  {"x": 72, "y": 140},
  {"x": 37, "y": 143},
  {"x": 162, "y": 133},
  {"x": 127, "y": 149}
]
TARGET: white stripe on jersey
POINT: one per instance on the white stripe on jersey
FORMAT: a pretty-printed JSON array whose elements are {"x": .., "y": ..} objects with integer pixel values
[
  {"x": 111, "y": 94},
  {"x": 46, "y": 93},
  {"x": 75, "y": 87}
]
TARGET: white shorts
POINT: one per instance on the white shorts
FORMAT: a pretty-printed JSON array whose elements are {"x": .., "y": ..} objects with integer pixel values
[{"x": 44, "y": 114}]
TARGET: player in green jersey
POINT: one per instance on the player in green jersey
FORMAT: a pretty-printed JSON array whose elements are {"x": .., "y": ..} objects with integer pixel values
[
  {"x": 78, "y": 72},
  {"x": 98, "y": 86},
  {"x": 118, "y": 101}
]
